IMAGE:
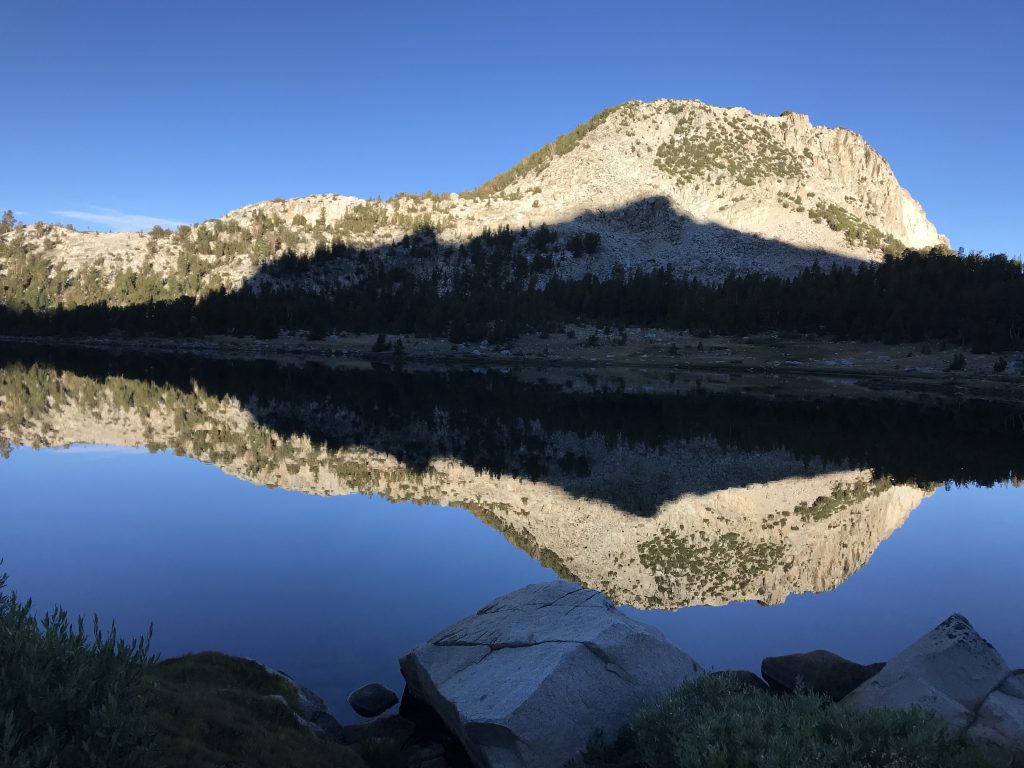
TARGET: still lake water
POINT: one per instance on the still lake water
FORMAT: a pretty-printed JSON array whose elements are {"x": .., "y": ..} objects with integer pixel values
[{"x": 325, "y": 521}]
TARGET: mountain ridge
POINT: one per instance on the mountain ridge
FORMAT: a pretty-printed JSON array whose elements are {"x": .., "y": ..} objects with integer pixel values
[{"x": 705, "y": 190}]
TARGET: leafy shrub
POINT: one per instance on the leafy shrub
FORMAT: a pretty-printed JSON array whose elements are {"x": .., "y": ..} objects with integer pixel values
[
  {"x": 743, "y": 149},
  {"x": 716, "y": 721},
  {"x": 68, "y": 697},
  {"x": 854, "y": 229}
]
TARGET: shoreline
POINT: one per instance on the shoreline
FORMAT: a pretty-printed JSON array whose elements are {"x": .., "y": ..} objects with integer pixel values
[{"x": 637, "y": 359}]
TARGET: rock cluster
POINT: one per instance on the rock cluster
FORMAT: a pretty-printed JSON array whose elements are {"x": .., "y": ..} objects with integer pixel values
[
  {"x": 506, "y": 680},
  {"x": 531, "y": 677}
]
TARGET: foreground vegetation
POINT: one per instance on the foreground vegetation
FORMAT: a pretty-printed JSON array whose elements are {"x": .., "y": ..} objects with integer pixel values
[
  {"x": 70, "y": 698},
  {"x": 719, "y": 722},
  {"x": 75, "y": 700}
]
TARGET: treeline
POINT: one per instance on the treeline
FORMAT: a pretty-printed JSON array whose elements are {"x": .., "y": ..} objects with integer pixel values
[{"x": 972, "y": 300}]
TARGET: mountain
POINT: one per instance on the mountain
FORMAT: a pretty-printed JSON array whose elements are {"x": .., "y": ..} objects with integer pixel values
[{"x": 707, "y": 190}]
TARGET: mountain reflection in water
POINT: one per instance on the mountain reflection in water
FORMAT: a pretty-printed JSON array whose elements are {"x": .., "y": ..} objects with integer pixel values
[{"x": 660, "y": 500}]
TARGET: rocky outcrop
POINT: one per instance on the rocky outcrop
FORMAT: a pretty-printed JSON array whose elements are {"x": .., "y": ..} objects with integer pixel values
[
  {"x": 817, "y": 671},
  {"x": 707, "y": 190},
  {"x": 528, "y": 679},
  {"x": 956, "y": 673}
]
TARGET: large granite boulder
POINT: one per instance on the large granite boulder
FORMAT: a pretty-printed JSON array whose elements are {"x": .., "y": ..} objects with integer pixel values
[
  {"x": 819, "y": 671},
  {"x": 956, "y": 673},
  {"x": 527, "y": 680}
]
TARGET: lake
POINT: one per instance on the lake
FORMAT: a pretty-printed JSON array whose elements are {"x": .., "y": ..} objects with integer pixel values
[{"x": 324, "y": 517}]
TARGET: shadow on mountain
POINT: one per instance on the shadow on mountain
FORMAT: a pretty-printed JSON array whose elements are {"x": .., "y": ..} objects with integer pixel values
[
  {"x": 489, "y": 286},
  {"x": 592, "y": 440}
]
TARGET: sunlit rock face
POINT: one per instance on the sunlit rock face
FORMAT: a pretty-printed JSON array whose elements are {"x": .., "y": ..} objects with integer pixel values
[
  {"x": 686, "y": 523},
  {"x": 707, "y": 190}
]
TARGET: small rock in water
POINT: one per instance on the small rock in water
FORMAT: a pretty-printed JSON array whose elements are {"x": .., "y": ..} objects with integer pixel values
[
  {"x": 819, "y": 671},
  {"x": 372, "y": 700}
]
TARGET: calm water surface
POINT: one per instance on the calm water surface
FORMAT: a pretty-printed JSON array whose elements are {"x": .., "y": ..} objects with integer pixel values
[{"x": 736, "y": 545}]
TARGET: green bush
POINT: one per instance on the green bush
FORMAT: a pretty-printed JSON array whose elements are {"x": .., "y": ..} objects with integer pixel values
[
  {"x": 71, "y": 699},
  {"x": 717, "y": 722},
  {"x": 68, "y": 697},
  {"x": 855, "y": 230},
  {"x": 209, "y": 710}
]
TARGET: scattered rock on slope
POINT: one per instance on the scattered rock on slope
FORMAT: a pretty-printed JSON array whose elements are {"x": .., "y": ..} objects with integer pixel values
[{"x": 528, "y": 679}]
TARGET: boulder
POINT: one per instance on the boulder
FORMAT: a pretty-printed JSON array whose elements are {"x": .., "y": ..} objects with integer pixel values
[
  {"x": 372, "y": 700},
  {"x": 526, "y": 681},
  {"x": 1014, "y": 684},
  {"x": 998, "y": 727},
  {"x": 950, "y": 670},
  {"x": 307, "y": 703},
  {"x": 819, "y": 671}
]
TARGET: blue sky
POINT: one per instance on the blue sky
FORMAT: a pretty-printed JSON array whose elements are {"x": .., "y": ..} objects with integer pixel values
[{"x": 180, "y": 112}]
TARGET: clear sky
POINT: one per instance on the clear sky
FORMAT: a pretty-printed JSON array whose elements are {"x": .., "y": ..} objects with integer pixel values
[{"x": 115, "y": 114}]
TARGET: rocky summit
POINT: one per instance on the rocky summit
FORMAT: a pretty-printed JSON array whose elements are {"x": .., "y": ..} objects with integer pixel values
[{"x": 706, "y": 190}]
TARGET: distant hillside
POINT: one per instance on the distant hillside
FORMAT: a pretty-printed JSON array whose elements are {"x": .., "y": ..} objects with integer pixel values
[{"x": 703, "y": 189}]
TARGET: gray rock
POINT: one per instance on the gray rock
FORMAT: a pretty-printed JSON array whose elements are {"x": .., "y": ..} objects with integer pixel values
[
  {"x": 372, "y": 700},
  {"x": 308, "y": 704},
  {"x": 528, "y": 679},
  {"x": 1014, "y": 684},
  {"x": 999, "y": 727},
  {"x": 951, "y": 670},
  {"x": 819, "y": 671}
]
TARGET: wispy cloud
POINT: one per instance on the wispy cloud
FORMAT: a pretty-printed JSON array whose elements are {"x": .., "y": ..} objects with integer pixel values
[{"x": 124, "y": 222}]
